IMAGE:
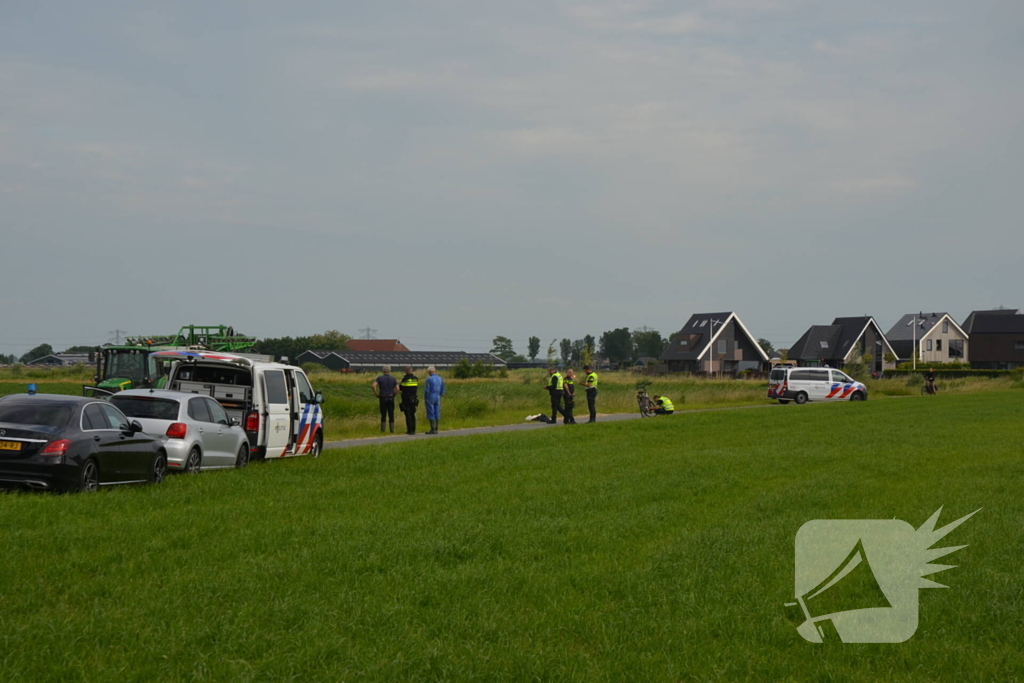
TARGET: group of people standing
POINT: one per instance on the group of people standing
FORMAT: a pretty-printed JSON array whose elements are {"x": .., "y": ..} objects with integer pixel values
[
  {"x": 386, "y": 388},
  {"x": 563, "y": 394}
]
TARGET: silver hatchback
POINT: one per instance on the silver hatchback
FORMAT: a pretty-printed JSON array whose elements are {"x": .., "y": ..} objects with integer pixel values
[{"x": 196, "y": 431}]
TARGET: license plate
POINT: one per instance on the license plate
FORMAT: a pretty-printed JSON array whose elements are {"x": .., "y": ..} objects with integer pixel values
[{"x": 10, "y": 445}]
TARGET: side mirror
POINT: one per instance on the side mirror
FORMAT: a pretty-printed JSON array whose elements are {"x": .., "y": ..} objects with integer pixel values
[
  {"x": 235, "y": 422},
  {"x": 135, "y": 427},
  {"x": 319, "y": 398}
]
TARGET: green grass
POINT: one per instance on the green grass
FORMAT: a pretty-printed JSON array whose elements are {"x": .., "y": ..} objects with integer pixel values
[{"x": 655, "y": 550}]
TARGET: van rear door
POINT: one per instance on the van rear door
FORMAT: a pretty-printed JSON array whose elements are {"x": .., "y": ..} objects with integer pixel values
[{"x": 277, "y": 413}]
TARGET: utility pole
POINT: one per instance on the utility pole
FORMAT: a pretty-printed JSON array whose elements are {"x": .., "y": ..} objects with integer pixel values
[
  {"x": 368, "y": 333},
  {"x": 115, "y": 336}
]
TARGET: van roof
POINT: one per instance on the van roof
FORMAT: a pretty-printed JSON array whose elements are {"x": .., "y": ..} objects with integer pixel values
[{"x": 217, "y": 357}]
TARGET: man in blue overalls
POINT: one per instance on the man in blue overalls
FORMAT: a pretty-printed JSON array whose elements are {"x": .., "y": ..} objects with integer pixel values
[{"x": 432, "y": 393}]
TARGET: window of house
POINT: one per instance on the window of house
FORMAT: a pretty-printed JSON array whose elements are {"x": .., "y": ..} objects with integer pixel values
[
  {"x": 824, "y": 344},
  {"x": 1018, "y": 345},
  {"x": 938, "y": 344},
  {"x": 956, "y": 348},
  {"x": 929, "y": 346},
  {"x": 721, "y": 345},
  {"x": 945, "y": 327}
]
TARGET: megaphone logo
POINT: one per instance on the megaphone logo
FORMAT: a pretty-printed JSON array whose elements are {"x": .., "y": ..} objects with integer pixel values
[{"x": 857, "y": 580}]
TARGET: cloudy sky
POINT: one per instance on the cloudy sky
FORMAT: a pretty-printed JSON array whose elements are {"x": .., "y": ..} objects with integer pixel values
[{"x": 448, "y": 171}]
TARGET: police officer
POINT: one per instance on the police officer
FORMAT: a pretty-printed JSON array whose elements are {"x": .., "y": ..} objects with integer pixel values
[
  {"x": 569, "y": 390},
  {"x": 665, "y": 406},
  {"x": 591, "y": 384},
  {"x": 384, "y": 388},
  {"x": 555, "y": 387},
  {"x": 409, "y": 386}
]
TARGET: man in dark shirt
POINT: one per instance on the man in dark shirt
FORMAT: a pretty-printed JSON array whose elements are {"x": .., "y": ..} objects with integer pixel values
[
  {"x": 409, "y": 386},
  {"x": 929, "y": 378},
  {"x": 384, "y": 388}
]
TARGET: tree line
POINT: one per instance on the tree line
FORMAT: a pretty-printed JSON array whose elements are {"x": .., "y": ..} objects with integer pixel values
[
  {"x": 41, "y": 351},
  {"x": 617, "y": 346}
]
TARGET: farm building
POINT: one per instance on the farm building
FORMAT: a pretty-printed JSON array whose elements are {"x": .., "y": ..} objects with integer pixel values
[
  {"x": 935, "y": 336},
  {"x": 714, "y": 342},
  {"x": 64, "y": 360},
  {"x": 372, "y": 361},
  {"x": 844, "y": 341},
  {"x": 375, "y": 345}
]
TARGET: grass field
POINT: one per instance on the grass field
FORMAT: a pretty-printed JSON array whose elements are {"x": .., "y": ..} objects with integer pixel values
[
  {"x": 655, "y": 550},
  {"x": 352, "y": 411}
]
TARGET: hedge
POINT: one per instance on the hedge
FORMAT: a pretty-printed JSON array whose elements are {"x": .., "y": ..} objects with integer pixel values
[{"x": 948, "y": 374}]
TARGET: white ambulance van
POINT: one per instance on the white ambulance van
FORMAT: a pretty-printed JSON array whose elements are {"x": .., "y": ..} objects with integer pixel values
[
  {"x": 274, "y": 403},
  {"x": 801, "y": 385}
]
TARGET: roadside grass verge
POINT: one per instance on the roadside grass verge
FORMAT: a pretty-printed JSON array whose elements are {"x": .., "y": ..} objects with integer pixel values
[{"x": 655, "y": 550}]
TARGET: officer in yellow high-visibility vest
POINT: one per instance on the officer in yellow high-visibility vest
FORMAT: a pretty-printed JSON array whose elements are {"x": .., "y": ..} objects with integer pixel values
[
  {"x": 409, "y": 386},
  {"x": 591, "y": 384},
  {"x": 555, "y": 386},
  {"x": 665, "y": 406}
]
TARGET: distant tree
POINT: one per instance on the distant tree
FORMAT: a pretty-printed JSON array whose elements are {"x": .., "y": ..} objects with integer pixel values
[
  {"x": 518, "y": 358},
  {"x": 889, "y": 357},
  {"x": 551, "y": 352},
  {"x": 578, "y": 347},
  {"x": 565, "y": 346},
  {"x": 589, "y": 346},
  {"x": 766, "y": 346},
  {"x": 534, "y": 348},
  {"x": 83, "y": 348},
  {"x": 37, "y": 352},
  {"x": 648, "y": 342},
  {"x": 8, "y": 359},
  {"x": 617, "y": 345},
  {"x": 291, "y": 347},
  {"x": 462, "y": 369},
  {"x": 503, "y": 348}
]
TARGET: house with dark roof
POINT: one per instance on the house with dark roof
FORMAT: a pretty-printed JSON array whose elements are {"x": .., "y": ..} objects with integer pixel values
[
  {"x": 714, "y": 342},
  {"x": 372, "y": 361},
  {"x": 997, "y": 339},
  {"x": 375, "y": 345},
  {"x": 844, "y": 341},
  {"x": 932, "y": 337}
]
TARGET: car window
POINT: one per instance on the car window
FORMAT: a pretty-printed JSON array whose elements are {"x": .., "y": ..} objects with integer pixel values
[
  {"x": 276, "y": 390},
  {"x": 800, "y": 375},
  {"x": 217, "y": 413},
  {"x": 840, "y": 377},
  {"x": 778, "y": 375},
  {"x": 16, "y": 413},
  {"x": 145, "y": 407},
  {"x": 818, "y": 375},
  {"x": 305, "y": 391},
  {"x": 198, "y": 411},
  {"x": 115, "y": 419},
  {"x": 92, "y": 417}
]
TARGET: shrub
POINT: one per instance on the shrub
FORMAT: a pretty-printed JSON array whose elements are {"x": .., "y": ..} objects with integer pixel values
[
  {"x": 503, "y": 372},
  {"x": 462, "y": 370}
]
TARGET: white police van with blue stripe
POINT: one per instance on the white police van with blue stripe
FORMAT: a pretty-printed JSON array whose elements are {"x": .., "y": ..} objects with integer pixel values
[{"x": 275, "y": 403}]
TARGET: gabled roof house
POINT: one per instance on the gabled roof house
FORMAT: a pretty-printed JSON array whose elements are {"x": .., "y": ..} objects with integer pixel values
[
  {"x": 714, "y": 342},
  {"x": 997, "y": 339},
  {"x": 935, "y": 336},
  {"x": 375, "y": 345},
  {"x": 845, "y": 340}
]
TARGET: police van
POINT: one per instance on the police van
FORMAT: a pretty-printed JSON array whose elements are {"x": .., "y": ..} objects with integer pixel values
[
  {"x": 274, "y": 403},
  {"x": 801, "y": 385}
]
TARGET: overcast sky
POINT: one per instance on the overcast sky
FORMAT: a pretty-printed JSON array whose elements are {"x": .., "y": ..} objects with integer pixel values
[{"x": 448, "y": 171}]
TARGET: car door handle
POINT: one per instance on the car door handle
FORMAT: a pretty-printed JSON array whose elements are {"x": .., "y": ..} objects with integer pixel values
[{"x": 95, "y": 438}]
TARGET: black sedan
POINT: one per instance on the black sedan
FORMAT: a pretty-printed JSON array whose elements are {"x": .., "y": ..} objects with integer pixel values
[{"x": 67, "y": 443}]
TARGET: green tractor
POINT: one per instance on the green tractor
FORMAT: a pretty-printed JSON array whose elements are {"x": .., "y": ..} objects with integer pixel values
[{"x": 130, "y": 366}]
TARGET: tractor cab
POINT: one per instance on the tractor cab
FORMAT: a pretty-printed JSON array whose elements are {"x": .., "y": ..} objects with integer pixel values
[{"x": 126, "y": 367}]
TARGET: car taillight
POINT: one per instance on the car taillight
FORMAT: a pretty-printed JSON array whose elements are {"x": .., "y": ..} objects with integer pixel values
[
  {"x": 56, "y": 449},
  {"x": 177, "y": 430},
  {"x": 252, "y": 422}
]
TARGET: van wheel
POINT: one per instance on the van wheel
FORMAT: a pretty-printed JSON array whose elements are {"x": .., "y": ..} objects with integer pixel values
[
  {"x": 857, "y": 396},
  {"x": 784, "y": 401},
  {"x": 801, "y": 398},
  {"x": 318, "y": 445}
]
